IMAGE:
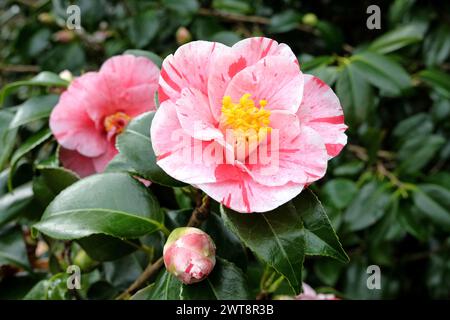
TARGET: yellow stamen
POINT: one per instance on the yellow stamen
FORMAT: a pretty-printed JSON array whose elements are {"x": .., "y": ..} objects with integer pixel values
[
  {"x": 245, "y": 117},
  {"x": 116, "y": 122}
]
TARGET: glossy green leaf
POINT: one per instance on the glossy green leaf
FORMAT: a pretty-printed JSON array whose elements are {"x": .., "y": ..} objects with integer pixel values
[
  {"x": 7, "y": 136},
  {"x": 228, "y": 245},
  {"x": 13, "y": 203},
  {"x": 355, "y": 94},
  {"x": 165, "y": 287},
  {"x": 340, "y": 192},
  {"x": 50, "y": 182},
  {"x": 320, "y": 237},
  {"x": 225, "y": 282},
  {"x": 31, "y": 143},
  {"x": 142, "y": 28},
  {"x": 12, "y": 248},
  {"x": 112, "y": 204},
  {"x": 382, "y": 72},
  {"x": 417, "y": 152},
  {"x": 34, "y": 109},
  {"x": 434, "y": 202},
  {"x": 399, "y": 38},
  {"x": 44, "y": 78},
  {"x": 437, "y": 46},
  {"x": 135, "y": 145},
  {"x": 284, "y": 21},
  {"x": 438, "y": 80},
  {"x": 283, "y": 236},
  {"x": 276, "y": 237},
  {"x": 367, "y": 207}
]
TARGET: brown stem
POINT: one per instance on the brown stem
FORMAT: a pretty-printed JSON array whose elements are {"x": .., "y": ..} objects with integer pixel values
[
  {"x": 243, "y": 18},
  {"x": 200, "y": 214}
]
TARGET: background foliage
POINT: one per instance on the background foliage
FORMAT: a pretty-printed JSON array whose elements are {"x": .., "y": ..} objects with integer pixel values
[{"x": 387, "y": 195}]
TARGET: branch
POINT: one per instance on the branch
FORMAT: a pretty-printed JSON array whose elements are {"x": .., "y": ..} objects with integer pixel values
[
  {"x": 234, "y": 17},
  {"x": 200, "y": 214}
]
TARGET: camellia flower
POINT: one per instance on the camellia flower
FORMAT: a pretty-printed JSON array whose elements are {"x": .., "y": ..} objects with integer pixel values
[
  {"x": 189, "y": 254},
  {"x": 97, "y": 106},
  {"x": 244, "y": 124}
]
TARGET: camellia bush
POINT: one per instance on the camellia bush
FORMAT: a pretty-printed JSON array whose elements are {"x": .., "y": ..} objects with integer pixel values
[{"x": 224, "y": 149}]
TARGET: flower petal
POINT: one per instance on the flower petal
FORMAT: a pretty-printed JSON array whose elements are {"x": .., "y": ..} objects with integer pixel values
[
  {"x": 178, "y": 154},
  {"x": 76, "y": 162},
  {"x": 195, "y": 115},
  {"x": 301, "y": 157},
  {"x": 274, "y": 79},
  {"x": 322, "y": 111},
  {"x": 187, "y": 68},
  {"x": 241, "y": 193},
  {"x": 71, "y": 124}
]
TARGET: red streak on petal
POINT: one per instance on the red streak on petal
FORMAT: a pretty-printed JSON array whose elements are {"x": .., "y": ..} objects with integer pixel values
[
  {"x": 332, "y": 120},
  {"x": 319, "y": 82},
  {"x": 237, "y": 66},
  {"x": 164, "y": 155},
  {"x": 169, "y": 80},
  {"x": 266, "y": 50},
  {"x": 189, "y": 268},
  {"x": 334, "y": 149}
]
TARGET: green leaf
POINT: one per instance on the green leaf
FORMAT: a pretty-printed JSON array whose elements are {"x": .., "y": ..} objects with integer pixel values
[
  {"x": 147, "y": 54},
  {"x": 434, "y": 202},
  {"x": 315, "y": 62},
  {"x": 226, "y": 282},
  {"x": 54, "y": 288},
  {"x": 417, "y": 152},
  {"x": 284, "y": 21},
  {"x": 320, "y": 238},
  {"x": 166, "y": 287},
  {"x": 436, "y": 47},
  {"x": 282, "y": 237},
  {"x": 340, "y": 192},
  {"x": 50, "y": 182},
  {"x": 183, "y": 8},
  {"x": 438, "y": 80},
  {"x": 44, "y": 78},
  {"x": 34, "y": 109},
  {"x": 417, "y": 125},
  {"x": 276, "y": 237},
  {"x": 113, "y": 204},
  {"x": 7, "y": 137},
  {"x": 12, "y": 248},
  {"x": 399, "y": 38},
  {"x": 233, "y": 6},
  {"x": 368, "y": 206},
  {"x": 228, "y": 245},
  {"x": 31, "y": 143},
  {"x": 13, "y": 203},
  {"x": 382, "y": 72},
  {"x": 135, "y": 145},
  {"x": 355, "y": 94},
  {"x": 143, "y": 28}
]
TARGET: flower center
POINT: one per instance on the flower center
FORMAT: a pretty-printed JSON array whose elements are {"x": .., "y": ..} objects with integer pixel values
[
  {"x": 245, "y": 117},
  {"x": 116, "y": 123}
]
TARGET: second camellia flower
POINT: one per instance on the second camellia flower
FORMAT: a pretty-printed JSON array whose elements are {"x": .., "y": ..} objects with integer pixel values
[
  {"x": 244, "y": 124},
  {"x": 97, "y": 106}
]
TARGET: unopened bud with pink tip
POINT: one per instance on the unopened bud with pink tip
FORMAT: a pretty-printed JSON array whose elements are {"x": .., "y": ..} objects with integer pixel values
[{"x": 189, "y": 254}]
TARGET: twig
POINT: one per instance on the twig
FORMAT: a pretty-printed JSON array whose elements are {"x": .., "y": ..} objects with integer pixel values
[
  {"x": 200, "y": 214},
  {"x": 234, "y": 17},
  {"x": 19, "y": 68}
]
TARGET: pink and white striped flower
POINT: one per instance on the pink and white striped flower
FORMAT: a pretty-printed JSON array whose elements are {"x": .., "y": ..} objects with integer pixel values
[
  {"x": 256, "y": 91},
  {"x": 96, "y": 108}
]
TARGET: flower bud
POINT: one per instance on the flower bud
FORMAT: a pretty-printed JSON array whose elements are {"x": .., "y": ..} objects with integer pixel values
[
  {"x": 189, "y": 254},
  {"x": 310, "y": 19},
  {"x": 66, "y": 75},
  {"x": 183, "y": 35}
]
